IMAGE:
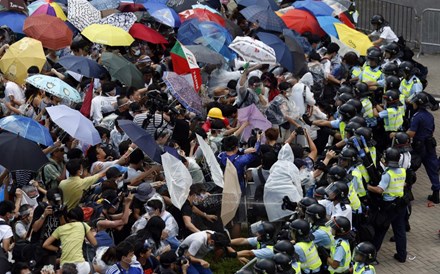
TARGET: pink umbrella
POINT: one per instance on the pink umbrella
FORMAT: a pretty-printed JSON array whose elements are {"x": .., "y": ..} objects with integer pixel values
[{"x": 255, "y": 118}]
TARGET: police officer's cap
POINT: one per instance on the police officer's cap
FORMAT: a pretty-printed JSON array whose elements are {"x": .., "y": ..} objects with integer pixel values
[
  {"x": 391, "y": 69},
  {"x": 392, "y": 48},
  {"x": 307, "y": 201},
  {"x": 318, "y": 214},
  {"x": 364, "y": 252},
  {"x": 344, "y": 97},
  {"x": 337, "y": 173},
  {"x": 357, "y": 104},
  {"x": 392, "y": 82},
  {"x": 377, "y": 19},
  {"x": 345, "y": 89},
  {"x": 347, "y": 111},
  {"x": 392, "y": 96},
  {"x": 361, "y": 89},
  {"x": 421, "y": 99},
  {"x": 284, "y": 246},
  {"x": 407, "y": 67},
  {"x": 340, "y": 224},
  {"x": 360, "y": 120},
  {"x": 301, "y": 230},
  {"x": 320, "y": 192}
]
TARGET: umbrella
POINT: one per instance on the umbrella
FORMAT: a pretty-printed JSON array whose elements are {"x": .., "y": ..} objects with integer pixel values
[
  {"x": 253, "y": 50},
  {"x": 211, "y": 160},
  {"x": 14, "y": 5},
  {"x": 353, "y": 38},
  {"x": 231, "y": 194},
  {"x": 206, "y": 55},
  {"x": 317, "y": 8},
  {"x": 13, "y": 20},
  {"x": 185, "y": 62},
  {"x": 19, "y": 57},
  {"x": 202, "y": 15},
  {"x": 265, "y": 17},
  {"x": 142, "y": 139},
  {"x": 82, "y": 14},
  {"x": 82, "y": 65},
  {"x": 179, "y": 5},
  {"x": 163, "y": 14},
  {"x": 131, "y": 7},
  {"x": 105, "y": 4},
  {"x": 183, "y": 92},
  {"x": 19, "y": 153},
  {"x": 121, "y": 69},
  {"x": 201, "y": 6},
  {"x": 123, "y": 20},
  {"x": 302, "y": 41},
  {"x": 46, "y": 7},
  {"x": 326, "y": 23},
  {"x": 178, "y": 179},
  {"x": 296, "y": 50},
  {"x": 50, "y": 30},
  {"x": 282, "y": 52},
  {"x": 264, "y": 3},
  {"x": 233, "y": 28},
  {"x": 27, "y": 128},
  {"x": 343, "y": 48},
  {"x": 339, "y": 6},
  {"x": 346, "y": 20},
  {"x": 302, "y": 21},
  {"x": 144, "y": 33},
  {"x": 75, "y": 124},
  {"x": 256, "y": 120},
  {"x": 107, "y": 35},
  {"x": 54, "y": 86}
]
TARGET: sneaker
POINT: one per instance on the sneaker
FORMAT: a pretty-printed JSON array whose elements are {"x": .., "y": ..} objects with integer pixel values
[
  {"x": 399, "y": 259},
  {"x": 392, "y": 239}
]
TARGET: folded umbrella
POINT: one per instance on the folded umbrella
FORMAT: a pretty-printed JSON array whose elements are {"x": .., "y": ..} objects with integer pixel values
[
  {"x": 144, "y": 33},
  {"x": 211, "y": 160},
  {"x": 163, "y": 14},
  {"x": 183, "y": 92},
  {"x": 327, "y": 24},
  {"x": 231, "y": 194},
  {"x": 54, "y": 86},
  {"x": 13, "y": 20},
  {"x": 48, "y": 8},
  {"x": 256, "y": 120},
  {"x": 121, "y": 69},
  {"x": 107, "y": 35},
  {"x": 82, "y": 14},
  {"x": 51, "y": 31},
  {"x": 82, "y": 65},
  {"x": 27, "y": 128},
  {"x": 178, "y": 179},
  {"x": 142, "y": 139},
  {"x": 266, "y": 18},
  {"x": 20, "y": 57},
  {"x": 353, "y": 38},
  {"x": 206, "y": 55},
  {"x": 264, "y": 3},
  {"x": 282, "y": 52},
  {"x": 19, "y": 153},
  {"x": 14, "y": 5},
  {"x": 74, "y": 123},
  {"x": 252, "y": 50},
  {"x": 317, "y": 8},
  {"x": 302, "y": 21},
  {"x": 124, "y": 20}
]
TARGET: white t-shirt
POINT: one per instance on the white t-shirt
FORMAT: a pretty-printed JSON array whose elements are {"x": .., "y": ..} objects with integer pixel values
[
  {"x": 12, "y": 89},
  {"x": 5, "y": 231},
  {"x": 387, "y": 34},
  {"x": 198, "y": 243},
  {"x": 347, "y": 213},
  {"x": 100, "y": 105}
]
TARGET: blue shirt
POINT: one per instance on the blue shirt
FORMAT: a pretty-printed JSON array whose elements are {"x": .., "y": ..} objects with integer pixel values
[
  {"x": 339, "y": 252},
  {"x": 321, "y": 238},
  {"x": 135, "y": 268},
  {"x": 335, "y": 123},
  {"x": 261, "y": 253},
  {"x": 422, "y": 123},
  {"x": 369, "y": 271},
  {"x": 416, "y": 87}
]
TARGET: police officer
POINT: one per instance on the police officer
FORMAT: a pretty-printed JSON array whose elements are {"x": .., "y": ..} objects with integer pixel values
[
  {"x": 363, "y": 255},
  {"x": 337, "y": 192},
  {"x": 346, "y": 112},
  {"x": 349, "y": 160},
  {"x": 410, "y": 84},
  {"x": 364, "y": 94},
  {"x": 283, "y": 264},
  {"x": 390, "y": 69},
  {"x": 392, "y": 113},
  {"x": 303, "y": 204},
  {"x": 265, "y": 266},
  {"x": 421, "y": 131},
  {"x": 305, "y": 247},
  {"x": 372, "y": 74},
  {"x": 392, "y": 208},
  {"x": 317, "y": 217},
  {"x": 287, "y": 248},
  {"x": 392, "y": 53}
]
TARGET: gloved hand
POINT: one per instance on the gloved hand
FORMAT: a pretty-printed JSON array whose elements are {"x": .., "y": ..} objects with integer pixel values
[
  {"x": 288, "y": 204},
  {"x": 323, "y": 253},
  {"x": 306, "y": 119}
]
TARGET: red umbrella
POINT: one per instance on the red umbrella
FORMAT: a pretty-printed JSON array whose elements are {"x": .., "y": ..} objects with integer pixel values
[
  {"x": 344, "y": 19},
  {"x": 302, "y": 21},
  {"x": 144, "y": 33},
  {"x": 131, "y": 7},
  {"x": 202, "y": 15},
  {"x": 50, "y": 30}
]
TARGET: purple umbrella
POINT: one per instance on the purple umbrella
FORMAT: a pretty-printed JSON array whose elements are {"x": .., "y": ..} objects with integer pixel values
[
  {"x": 183, "y": 92},
  {"x": 255, "y": 118}
]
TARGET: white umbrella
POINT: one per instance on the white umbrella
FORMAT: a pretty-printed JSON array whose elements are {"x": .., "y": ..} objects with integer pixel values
[
  {"x": 178, "y": 179},
  {"x": 82, "y": 14},
  {"x": 231, "y": 193},
  {"x": 251, "y": 49},
  {"x": 214, "y": 166},
  {"x": 75, "y": 124}
]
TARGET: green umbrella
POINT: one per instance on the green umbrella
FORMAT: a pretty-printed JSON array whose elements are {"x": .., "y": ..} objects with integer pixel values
[{"x": 121, "y": 69}]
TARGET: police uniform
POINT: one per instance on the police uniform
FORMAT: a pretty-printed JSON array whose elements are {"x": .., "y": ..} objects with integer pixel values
[
  {"x": 323, "y": 236},
  {"x": 392, "y": 183},
  {"x": 263, "y": 251},
  {"x": 393, "y": 118},
  {"x": 370, "y": 74},
  {"x": 308, "y": 257},
  {"x": 410, "y": 87},
  {"x": 340, "y": 252},
  {"x": 360, "y": 268},
  {"x": 339, "y": 124},
  {"x": 367, "y": 112}
]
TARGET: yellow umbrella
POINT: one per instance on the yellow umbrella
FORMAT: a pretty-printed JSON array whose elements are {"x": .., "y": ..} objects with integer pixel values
[
  {"x": 107, "y": 35},
  {"x": 353, "y": 38},
  {"x": 19, "y": 57}
]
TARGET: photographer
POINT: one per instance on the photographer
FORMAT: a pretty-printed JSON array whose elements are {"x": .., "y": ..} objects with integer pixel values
[
  {"x": 169, "y": 264},
  {"x": 110, "y": 218}
]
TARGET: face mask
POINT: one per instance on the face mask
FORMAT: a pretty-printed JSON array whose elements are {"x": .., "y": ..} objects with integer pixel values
[
  {"x": 137, "y": 52},
  {"x": 258, "y": 90},
  {"x": 12, "y": 218},
  {"x": 133, "y": 259},
  {"x": 81, "y": 173},
  {"x": 150, "y": 210},
  {"x": 58, "y": 53}
]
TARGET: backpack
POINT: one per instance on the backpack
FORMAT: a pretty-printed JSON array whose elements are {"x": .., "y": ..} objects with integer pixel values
[{"x": 92, "y": 212}]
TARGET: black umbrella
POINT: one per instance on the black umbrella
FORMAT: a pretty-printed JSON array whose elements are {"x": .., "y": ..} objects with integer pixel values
[
  {"x": 19, "y": 153},
  {"x": 296, "y": 50}
]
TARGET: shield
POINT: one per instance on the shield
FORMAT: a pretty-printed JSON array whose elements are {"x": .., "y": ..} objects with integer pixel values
[
  {"x": 82, "y": 14},
  {"x": 252, "y": 50},
  {"x": 51, "y": 31},
  {"x": 54, "y": 86},
  {"x": 183, "y": 92},
  {"x": 122, "y": 70},
  {"x": 27, "y": 128},
  {"x": 123, "y": 20},
  {"x": 211, "y": 160},
  {"x": 231, "y": 194},
  {"x": 178, "y": 179}
]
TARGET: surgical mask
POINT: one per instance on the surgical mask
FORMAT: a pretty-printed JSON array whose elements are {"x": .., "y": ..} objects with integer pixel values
[
  {"x": 137, "y": 52},
  {"x": 133, "y": 259},
  {"x": 12, "y": 218},
  {"x": 258, "y": 90}
]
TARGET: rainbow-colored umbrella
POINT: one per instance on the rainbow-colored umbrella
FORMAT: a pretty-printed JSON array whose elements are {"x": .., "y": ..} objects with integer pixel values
[{"x": 47, "y": 7}]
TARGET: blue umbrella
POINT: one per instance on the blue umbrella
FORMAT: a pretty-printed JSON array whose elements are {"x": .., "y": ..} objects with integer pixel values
[
  {"x": 54, "y": 86},
  {"x": 302, "y": 41},
  {"x": 163, "y": 14},
  {"x": 105, "y": 4},
  {"x": 13, "y": 20},
  {"x": 209, "y": 34},
  {"x": 326, "y": 23},
  {"x": 317, "y": 8},
  {"x": 265, "y": 18},
  {"x": 282, "y": 52},
  {"x": 264, "y": 3},
  {"x": 142, "y": 139},
  {"x": 27, "y": 128},
  {"x": 82, "y": 65},
  {"x": 296, "y": 50}
]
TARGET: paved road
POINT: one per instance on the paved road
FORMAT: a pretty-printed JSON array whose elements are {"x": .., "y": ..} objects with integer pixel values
[{"x": 423, "y": 239}]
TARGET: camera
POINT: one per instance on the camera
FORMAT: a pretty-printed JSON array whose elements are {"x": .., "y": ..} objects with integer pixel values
[
  {"x": 299, "y": 131},
  {"x": 156, "y": 102},
  {"x": 181, "y": 259},
  {"x": 126, "y": 191},
  {"x": 256, "y": 131}
]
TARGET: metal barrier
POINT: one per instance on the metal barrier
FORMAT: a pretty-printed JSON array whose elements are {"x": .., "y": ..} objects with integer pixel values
[
  {"x": 403, "y": 19},
  {"x": 429, "y": 28}
]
